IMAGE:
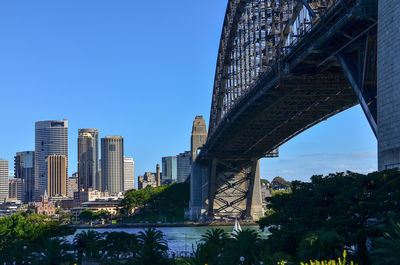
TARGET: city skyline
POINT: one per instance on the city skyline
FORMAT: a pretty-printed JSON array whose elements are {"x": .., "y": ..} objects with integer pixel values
[{"x": 340, "y": 143}]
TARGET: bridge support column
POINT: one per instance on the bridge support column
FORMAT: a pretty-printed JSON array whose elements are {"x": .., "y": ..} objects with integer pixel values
[
  {"x": 388, "y": 84},
  {"x": 254, "y": 209},
  {"x": 198, "y": 180},
  {"x": 212, "y": 188}
]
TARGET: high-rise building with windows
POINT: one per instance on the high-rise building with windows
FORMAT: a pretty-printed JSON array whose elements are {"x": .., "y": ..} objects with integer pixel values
[
  {"x": 51, "y": 138},
  {"x": 3, "y": 180},
  {"x": 88, "y": 159},
  {"x": 129, "y": 173},
  {"x": 112, "y": 164},
  {"x": 169, "y": 169},
  {"x": 15, "y": 189},
  {"x": 72, "y": 185},
  {"x": 56, "y": 175},
  {"x": 24, "y": 169},
  {"x": 184, "y": 166}
]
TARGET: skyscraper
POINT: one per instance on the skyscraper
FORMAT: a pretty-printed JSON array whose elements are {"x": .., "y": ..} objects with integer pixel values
[
  {"x": 24, "y": 169},
  {"x": 184, "y": 166},
  {"x": 169, "y": 170},
  {"x": 112, "y": 164},
  {"x": 88, "y": 159},
  {"x": 72, "y": 186},
  {"x": 51, "y": 138},
  {"x": 56, "y": 175},
  {"x": 15, "y": 189},
  {"x": 129, "y": 173},
  {"x": 3, "y": 179}
]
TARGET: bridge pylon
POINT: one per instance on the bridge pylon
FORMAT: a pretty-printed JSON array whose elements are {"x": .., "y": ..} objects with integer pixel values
[{"x": 226, "y": 190}]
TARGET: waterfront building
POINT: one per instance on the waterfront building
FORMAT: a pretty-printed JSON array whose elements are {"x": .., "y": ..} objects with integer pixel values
[
  {"x": 88, "y": 158},
  {"x": 169, "y": 170},
  {"x": 51, "y": 138},
  {"x": 112, "y": 164},
  {"x": 16, "y": 189},
  {"x": 149, "y": 179},
  {"x": 129, "y": 173},
  {"x": 56, "y": 175},
  {"x": 44, "y": 206},
  {"x": 24, "y": 169},
  {"x": 72, "y": 185},
  {"x": 111, "y": 205},
  {"x": 89, "y": 195},
  {"x": 184, "y": 166},
  {"x": 3, "y": 180}
]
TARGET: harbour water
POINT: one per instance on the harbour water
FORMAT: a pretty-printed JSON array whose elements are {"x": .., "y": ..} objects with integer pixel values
[{"x": 181, "y": 240}]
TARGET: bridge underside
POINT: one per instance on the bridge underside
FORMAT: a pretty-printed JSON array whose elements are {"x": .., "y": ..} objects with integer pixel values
[{"x": 330, "y": 69}]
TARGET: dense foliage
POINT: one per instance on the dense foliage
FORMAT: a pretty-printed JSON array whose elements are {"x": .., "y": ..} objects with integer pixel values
[
  {"x": 20, "y": 231},
  {"x": 164, "y": 203},
  {"x": 318, "y": 220},
  {"x": 88, "y": 215},
  {"x": 279, "y": 183}
]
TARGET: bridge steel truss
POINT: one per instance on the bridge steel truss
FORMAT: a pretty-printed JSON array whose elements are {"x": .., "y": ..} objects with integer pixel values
[{"x": 282, "y": 67}]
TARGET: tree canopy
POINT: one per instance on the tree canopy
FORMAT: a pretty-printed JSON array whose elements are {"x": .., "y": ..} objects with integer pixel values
[{"x": 331, "y": 213}]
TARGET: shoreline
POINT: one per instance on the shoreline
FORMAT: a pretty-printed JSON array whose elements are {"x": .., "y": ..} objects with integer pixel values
[{"x": 146, "y": 225}]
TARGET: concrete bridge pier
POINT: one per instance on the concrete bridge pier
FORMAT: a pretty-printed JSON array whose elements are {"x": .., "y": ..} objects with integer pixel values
[
  {"x": 388, "y": 71},
  {"x": 220, "y": 191}
]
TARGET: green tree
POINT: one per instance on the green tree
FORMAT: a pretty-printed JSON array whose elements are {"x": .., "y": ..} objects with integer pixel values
[
  {"x": 89, "y": 245},
  {"x": 52, "y": 251},
  {"x": 87, "y": 215},
  {"x": 152, "y": 248},
  {"x": 102, "y": 215},
  {"x": 354, "y": 206},
  {"x": 120, "y": 245},
  {"x": 387, "y": 249},
  {"x": 246, "y": 245},
  {"x": 212, "y": 245}
]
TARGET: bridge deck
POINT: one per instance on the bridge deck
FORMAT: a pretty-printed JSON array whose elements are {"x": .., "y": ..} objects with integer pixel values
[{"x": 305, "y": 88}]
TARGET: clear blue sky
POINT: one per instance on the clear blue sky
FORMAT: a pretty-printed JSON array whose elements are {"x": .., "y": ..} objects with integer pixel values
[{"x": 143, "y": 70}]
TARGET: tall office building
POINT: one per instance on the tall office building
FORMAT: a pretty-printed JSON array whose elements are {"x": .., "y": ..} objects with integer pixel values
[
  {"x": 112, "y": 164},
  {"x": 51, "y": 138},
  {"x": 88, "y": 159},
  {"x": 56, "y": 175},
  {"x": 3, "y": 180},
  {"x": 24, "y": 169},
  {"x": 184, "y": 166},
  {"x": 129, "y": 173},
  {"x": 15, "y": 189},
  {"x": 72, "y": 185},
  {"x": 169, "y": 169}
]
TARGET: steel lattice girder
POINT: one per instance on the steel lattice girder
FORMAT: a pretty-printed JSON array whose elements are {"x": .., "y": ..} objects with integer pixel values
[{"x": 274, "y": 110}]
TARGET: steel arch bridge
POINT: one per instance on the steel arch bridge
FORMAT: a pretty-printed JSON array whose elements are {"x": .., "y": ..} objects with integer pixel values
[{"x": 282, "y": 67}]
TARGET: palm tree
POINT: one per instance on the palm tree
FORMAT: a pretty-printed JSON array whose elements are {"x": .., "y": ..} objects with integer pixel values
[
  {"x": 89, "y": 244},
  {"x": 18, "y": 253},
  {"x": 215, "y": 241},
  {"x": 52, "y": 251},
  {"x": 245, "y": 248},
  {"x": 152, "y": 248},
  {"x": 201, "y": 256}
]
